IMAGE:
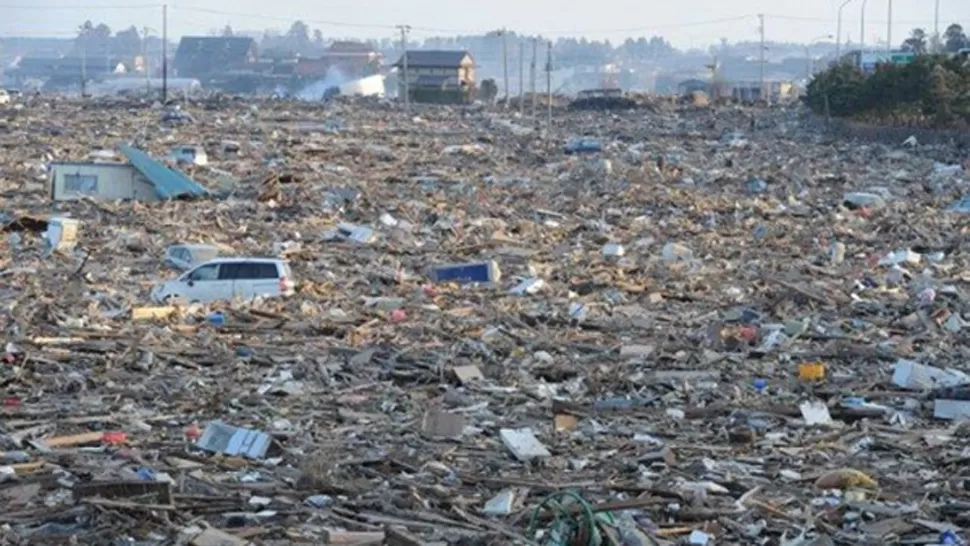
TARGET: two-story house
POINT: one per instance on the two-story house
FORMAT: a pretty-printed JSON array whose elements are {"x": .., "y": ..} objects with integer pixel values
[{"x": 438, "y": 76}]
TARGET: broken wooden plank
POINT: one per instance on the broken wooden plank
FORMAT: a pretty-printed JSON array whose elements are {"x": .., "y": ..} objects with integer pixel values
[
  {"x": 353, "y": 538},
  {"x": 400, "y": 537},
  {"x": 74, "y": 439},
  {"x": 124, "y": 488},
  {"x": 152, "y": 313},
  {"x": 215, "y": 537}
]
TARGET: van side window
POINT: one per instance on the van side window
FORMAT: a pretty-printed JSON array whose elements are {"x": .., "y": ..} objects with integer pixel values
[
  {"x": 266, "y": 271},
  {"x": 248, "y": 270},
  {"x": 205, "y": 273},
  {"x": 230, "y": 272}
]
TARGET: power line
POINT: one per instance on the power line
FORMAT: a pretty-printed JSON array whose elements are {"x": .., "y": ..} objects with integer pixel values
[
  {"x": 835, "y": 20},
  {"x": 280, "y": 18},
  {"x": 80, "y": 6},
  {"x": 459, "y": 30}
]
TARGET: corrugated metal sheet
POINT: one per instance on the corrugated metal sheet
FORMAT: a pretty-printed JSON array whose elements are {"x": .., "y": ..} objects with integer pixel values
[
  {"x": 222, "y": 438},
  {"x": 168, "y": 183}
]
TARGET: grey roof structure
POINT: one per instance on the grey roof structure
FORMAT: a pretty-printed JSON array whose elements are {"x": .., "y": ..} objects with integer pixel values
[{"x": 433, "y": 58}]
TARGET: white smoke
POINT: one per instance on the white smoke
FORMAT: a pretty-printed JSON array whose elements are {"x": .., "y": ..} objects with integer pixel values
[{"x": 333, "y": 79}]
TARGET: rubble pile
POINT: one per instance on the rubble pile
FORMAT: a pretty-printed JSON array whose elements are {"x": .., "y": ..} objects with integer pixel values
[{"x": 674, "y": 326}]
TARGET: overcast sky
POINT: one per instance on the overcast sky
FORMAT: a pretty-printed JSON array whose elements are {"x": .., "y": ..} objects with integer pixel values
[{"x": 685, "y": 23}]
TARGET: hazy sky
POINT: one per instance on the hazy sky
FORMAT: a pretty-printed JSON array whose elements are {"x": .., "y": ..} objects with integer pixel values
[{"x": 685, "y": 22}]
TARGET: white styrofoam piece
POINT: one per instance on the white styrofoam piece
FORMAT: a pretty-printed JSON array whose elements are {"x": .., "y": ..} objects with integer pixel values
[{"x": 523, "y": 444}]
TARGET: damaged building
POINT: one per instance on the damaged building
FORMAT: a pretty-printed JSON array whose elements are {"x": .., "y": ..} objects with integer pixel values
[{"x": 141, "y": 178}]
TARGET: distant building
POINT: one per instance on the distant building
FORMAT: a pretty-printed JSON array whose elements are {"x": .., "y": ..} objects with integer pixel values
[
  {"x": 61, "y": 71},
  {"x": 142, "y": 179},
  {"x": 689, "y": 86},
  {"x": 439, "y": 76},
  {"x": 752, "y": 91},
  {"x": 204, "y": 56},
  {"x": 351, "y": 59},
  {"x": 355, "y": 59}
]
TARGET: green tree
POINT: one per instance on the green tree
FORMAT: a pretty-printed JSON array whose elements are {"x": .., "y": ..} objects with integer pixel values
[
  {"x": 488, "y": 90},
  {"x": 127, "y": 43},
  {"x": 955, "y": 39},
  {"x": 298, "y": 37},
  {"x": 932, "y": 90},
  {"x": 916, "y": 43}
]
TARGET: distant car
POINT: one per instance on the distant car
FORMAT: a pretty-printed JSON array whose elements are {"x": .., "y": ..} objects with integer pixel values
[
  {"x": 185, "y": 257},
  {"x": 226, "y": 279},
  {"x": 4, "y": 97},
  {"x": 583, "y": 146},
  {"x": 190, "y": 155}
]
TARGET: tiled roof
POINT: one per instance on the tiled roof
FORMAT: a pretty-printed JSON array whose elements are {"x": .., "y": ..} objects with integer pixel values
[
  {"x": 202, "y": 54},
  {"x": 433, "y": 58},
  {"x": 168, "y": 183}
]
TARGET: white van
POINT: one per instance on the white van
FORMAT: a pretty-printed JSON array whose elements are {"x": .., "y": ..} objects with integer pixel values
[{"x": 228, "y": 278}]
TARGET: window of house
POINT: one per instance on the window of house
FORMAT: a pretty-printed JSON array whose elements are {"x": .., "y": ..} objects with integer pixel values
[{"x": 85, "y": 184}]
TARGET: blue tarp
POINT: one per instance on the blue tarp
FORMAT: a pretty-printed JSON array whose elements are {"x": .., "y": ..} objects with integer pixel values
[{"x": 168, "y": 183}]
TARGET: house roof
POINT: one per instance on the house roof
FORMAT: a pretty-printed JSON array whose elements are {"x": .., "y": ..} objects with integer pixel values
[
  {"x": 434, "y": 58},
  {"x": 168, "y": 183},
  {"x": 209, "y": 53}
]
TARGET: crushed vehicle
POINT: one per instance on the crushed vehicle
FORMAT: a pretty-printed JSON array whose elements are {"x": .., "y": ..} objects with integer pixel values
[{"x": 187, "y": 256}]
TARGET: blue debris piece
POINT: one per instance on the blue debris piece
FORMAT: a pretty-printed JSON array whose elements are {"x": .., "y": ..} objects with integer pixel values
[
  {"x": 756, "y": 185},
  {"x": 222, "y": 438},
  {"x": 217, "y": 319},
  {"x": 481, "y": 272},
  {"x": 963, "y": 205},
  {"x": 583, "y": 146},
  {"x": 950, "y": 537}
]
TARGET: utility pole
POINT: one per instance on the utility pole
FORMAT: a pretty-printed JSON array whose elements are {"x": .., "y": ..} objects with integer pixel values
[
  {"x": 521, "y": 77},
  {"x": 889, "y": 29},
  {"x": 862, "y": 26},
  {"x": 936, "y": 28},
  {"x": 549, "y": 82},
  {"x": 84, "y": 66},
  {"x": 761, "y": 29},
  {"x": 164, "y": 53},
  {"x": 404, "y": 65},
  {"x": 532, "y": 70},
  {"x": 505, "y": 65},
  {"x": 144, "y": 61}
]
